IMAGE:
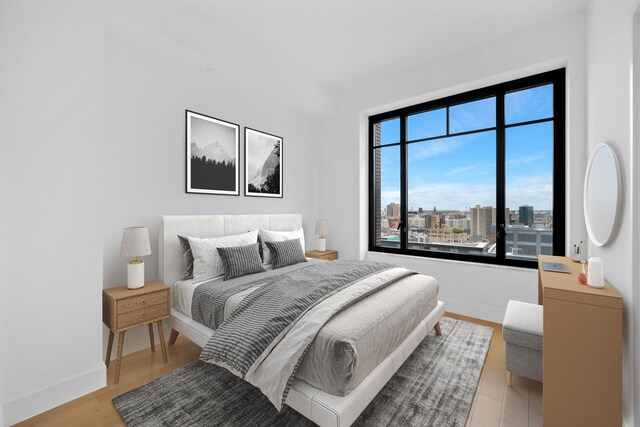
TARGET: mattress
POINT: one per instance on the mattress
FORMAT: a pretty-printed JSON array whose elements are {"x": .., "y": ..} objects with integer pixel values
[{"x": 357, "y": 339}]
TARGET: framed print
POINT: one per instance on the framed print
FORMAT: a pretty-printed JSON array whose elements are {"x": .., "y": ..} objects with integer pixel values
[
  {"x": 212, "y": 155},
  {"x": 262, "y": 164}
]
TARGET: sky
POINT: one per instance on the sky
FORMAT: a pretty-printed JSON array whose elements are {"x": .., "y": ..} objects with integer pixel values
[
  {"x": 205, "y": 132},
  {"x": 454, "y": 173}
]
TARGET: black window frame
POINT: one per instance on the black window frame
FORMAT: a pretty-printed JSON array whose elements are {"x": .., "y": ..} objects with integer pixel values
[{"x": 499, "y": 91}]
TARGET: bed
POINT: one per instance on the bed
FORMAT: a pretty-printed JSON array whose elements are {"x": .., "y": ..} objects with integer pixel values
[{"x": 327, "y": 403}]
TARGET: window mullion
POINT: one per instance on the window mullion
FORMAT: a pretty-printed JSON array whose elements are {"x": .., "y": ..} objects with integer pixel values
[
  {"x": 448, "y": 120},
  {"x": 373, "y": 212},
  {"x": 501, "y": 224},
  {"x": 404, "y": 209}
]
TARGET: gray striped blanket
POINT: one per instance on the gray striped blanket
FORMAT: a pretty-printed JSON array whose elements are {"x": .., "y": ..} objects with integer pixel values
[
  {"x": 263, "y": 319},
  {"x": 210, "y": 298}
]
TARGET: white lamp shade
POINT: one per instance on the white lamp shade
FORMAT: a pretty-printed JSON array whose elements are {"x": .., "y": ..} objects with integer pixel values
[
  {"x": 135, "y": 242},
  {"x": 322, "y": 227}
]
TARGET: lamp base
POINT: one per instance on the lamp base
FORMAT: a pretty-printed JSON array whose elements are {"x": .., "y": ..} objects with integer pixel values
[
  {"x": 135, "y": 275},
  {"x": 322, "y": 244}
]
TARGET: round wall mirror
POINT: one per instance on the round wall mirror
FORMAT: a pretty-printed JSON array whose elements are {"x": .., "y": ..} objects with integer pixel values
[{"x": 602, "y": 193}]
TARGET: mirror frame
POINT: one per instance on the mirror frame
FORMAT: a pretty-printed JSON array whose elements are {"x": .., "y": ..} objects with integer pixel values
[{"x": 618, "y": 183}]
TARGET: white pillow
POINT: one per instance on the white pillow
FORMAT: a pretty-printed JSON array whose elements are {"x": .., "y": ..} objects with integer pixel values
[
  {"x": 278, "y": 236},
  {"x": 206, "y": 259}
]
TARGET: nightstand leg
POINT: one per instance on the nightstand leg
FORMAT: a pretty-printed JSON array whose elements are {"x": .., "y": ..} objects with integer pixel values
[
  {"x": 119, "y": 359},
  {"x": 173, "y": 337},
  {"x": 162, "y": 345},
  {"x": 109, "y": 347},
  {"x": 153, "y": 344}
]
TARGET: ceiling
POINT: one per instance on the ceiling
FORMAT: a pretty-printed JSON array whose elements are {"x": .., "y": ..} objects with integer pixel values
[{"x": 337, "y": 44}]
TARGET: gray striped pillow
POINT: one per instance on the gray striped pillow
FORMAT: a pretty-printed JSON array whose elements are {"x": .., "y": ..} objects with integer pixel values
[
  {"x": 240, "y": 260},
  {"x": 187, "y": 256},
  {"x": 285, "y": 253}
]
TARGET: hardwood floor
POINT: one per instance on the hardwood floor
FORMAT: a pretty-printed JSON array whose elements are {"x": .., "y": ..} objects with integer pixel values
[
  {"x": 95, "y": 409},
  {"x": 495, "y": 403}
]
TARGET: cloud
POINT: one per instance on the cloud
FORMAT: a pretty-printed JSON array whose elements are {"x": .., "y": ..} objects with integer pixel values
[
  {"x": 536, "y": 191},
  {"x": 452, "y": 196},
  {"x": 528, "y": 103},
  {"x": 463, "y": 169},
  {"x": 546, "y": 155},
  {"x": 434, "y": 148}
]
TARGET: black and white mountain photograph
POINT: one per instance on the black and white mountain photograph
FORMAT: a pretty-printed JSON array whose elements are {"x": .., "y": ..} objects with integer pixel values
[
  {"x": 212, "y": 153},
  {"x": 263, "y": 164}
]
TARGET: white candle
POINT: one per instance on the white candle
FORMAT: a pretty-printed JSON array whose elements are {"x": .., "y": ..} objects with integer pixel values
[{"x": 595, "y": 277}]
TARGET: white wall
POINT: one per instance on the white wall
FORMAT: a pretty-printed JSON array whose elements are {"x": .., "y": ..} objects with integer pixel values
[
  {"x": 73, "y": 76},
  {"x": 467, "y": 288},
  {"x": 149, "y": 82},
  {"x": 635, "y": 158},
  {"x": 610, "y": 119},
  {"x": 51, "y": 98}
]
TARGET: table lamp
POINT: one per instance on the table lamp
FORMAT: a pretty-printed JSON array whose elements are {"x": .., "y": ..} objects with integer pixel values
[
  {"x": 135, "y": 243},
  {"x": 322, "y": 230}
]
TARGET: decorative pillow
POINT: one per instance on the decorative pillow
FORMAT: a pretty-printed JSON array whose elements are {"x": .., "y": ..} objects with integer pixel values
[
  {"x": 285, "y": 253},
  {"x": 187, "y": 256},
  {"x": 206, "y": 259},
  {"x": 278, "y": 236},
  {"x": 241, "y": 260}
]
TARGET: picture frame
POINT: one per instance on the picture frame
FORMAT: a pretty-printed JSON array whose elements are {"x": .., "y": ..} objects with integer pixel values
[
  {"x": 263, "y": 166},
  {"x": 212, "y": 155}
]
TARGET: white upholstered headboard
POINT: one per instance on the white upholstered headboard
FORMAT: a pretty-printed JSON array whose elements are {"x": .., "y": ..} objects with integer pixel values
[{"x": 170, "y": 262}]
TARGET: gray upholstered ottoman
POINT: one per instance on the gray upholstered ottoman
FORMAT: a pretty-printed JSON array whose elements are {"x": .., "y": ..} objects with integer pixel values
[{"x": 522, "y": 333}]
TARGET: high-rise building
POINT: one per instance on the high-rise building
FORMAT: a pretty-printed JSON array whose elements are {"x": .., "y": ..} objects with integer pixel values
[
  {"x": 481, "y": 220},
  {"x": 462, "y": 223},
  {"x": 433, "y": 221},
  {"x": 393, "y": 210},
  {"x": 378, "y": 181},
  {"x": 494, "y": 219},
  {"x": 526, "y": 215},
  {"x": 417, "y": 221}
]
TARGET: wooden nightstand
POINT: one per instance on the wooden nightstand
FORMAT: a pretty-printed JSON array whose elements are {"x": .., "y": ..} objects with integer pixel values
[
  {"x": 124, "y": 309},
  {"x": 328, "y": 255}
]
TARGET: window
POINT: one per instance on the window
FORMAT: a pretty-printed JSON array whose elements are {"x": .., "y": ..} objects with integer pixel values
[{"x": 477, "y": 176}]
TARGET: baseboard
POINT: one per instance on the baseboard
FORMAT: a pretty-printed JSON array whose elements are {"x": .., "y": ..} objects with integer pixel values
[
  {"x": 478, "y": 311},
  {"x": 32, "y": 404}
]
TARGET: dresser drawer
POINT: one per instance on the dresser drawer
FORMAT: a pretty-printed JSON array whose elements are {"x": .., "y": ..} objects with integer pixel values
[
  {"x": 144, "y": 315},
  {"x": 142, "y": 301}
]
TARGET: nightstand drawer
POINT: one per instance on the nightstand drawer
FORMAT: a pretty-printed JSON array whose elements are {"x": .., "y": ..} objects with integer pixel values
[
  {"x": 142, "y": 301},
  {"x": 141, "y": 316},
  {"x": 328, "y": 255}
]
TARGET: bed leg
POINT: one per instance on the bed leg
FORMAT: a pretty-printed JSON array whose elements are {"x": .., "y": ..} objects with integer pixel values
[
  {"x": 437, "y": 329},
  {"x": 173, "y": 337}
]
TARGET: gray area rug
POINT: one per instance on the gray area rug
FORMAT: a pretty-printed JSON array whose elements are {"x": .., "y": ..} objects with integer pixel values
[{"x": 434, "y": 387}]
